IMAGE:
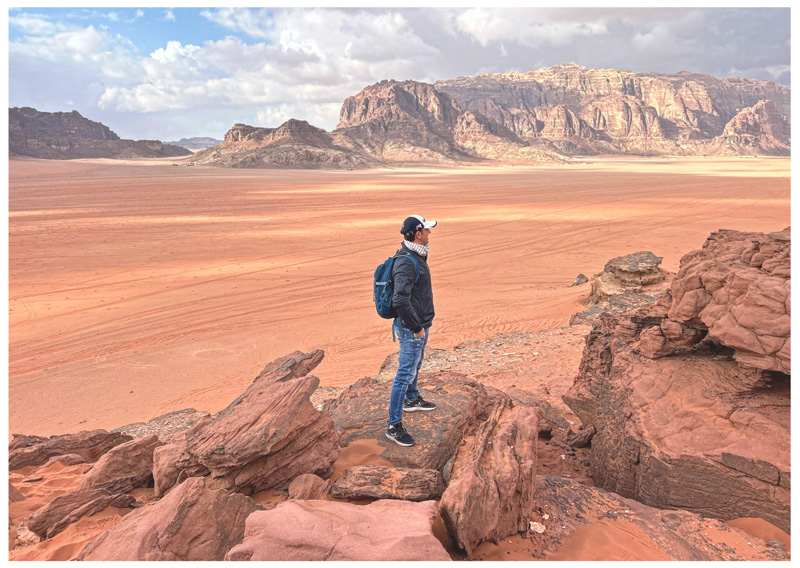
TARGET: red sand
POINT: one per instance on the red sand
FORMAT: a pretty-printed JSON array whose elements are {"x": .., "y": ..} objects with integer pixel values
[{"x": 139, "y": 288}]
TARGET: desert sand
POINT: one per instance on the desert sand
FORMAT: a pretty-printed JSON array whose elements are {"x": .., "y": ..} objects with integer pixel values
[{"x": 140, "y": 288}]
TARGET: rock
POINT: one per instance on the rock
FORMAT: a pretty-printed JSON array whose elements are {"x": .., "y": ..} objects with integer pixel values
[
  {"x": 582, "y": 438},
  {"x": 589, "y": 111},
  {"x": 123, "y": 468},
  {"x": 14, "y": 494},
  {"x": 551, "y": 417},
  {"x": 636, "y": 269},
  {"x": 68, "y": 508},
  {"x": 68, "y": 135},
  {"x": 171, "y": 467},
  {"x": 191, "y": 523},
  {"x": 381, "y": 482},
  {"x": 381, "y": 531},
  {"x": 737, "y": 288},
  {"x": 572, "y": 508},
  {"x": 35, "y": 450},
  {"x": 580, "y": 279},
  {"x": 361, "y": 412},
  {"x": 663, "y": 425},
  {"x": 490, "y": 492},
  {"x": 307, "y": 486},
  {"x": 265, "y": 438},
  {"x": 66, "y": 459},
  {"x": 165, "y": 426},
  {"x": 613, "y": 304}
]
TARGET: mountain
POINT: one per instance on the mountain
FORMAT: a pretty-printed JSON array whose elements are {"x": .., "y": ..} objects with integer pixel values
[
  {"x": 387, "y": 123},
  {"x": 197, "y": 143},
  {"x": 588, "y": 111},
  {"x": 68, "y": 135},
  {"x": 294, "y": 144}
]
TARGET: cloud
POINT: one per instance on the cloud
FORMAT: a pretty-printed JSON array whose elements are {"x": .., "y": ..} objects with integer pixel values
[
  {"x": 253, "y": 23},
  {"x": 169, "y": 15}
]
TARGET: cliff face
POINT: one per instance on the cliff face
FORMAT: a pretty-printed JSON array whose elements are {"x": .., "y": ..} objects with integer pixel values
[
  {"x": 608, "y": 110},
  {"x": 68, "y": 135}
]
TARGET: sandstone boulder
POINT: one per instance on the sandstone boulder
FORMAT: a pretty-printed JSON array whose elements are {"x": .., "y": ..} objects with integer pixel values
[
  {"x": 192, "y": 523},
  {"x": 14, "y": 494},
  {"x": 361, "y": 411},
  {"x": 307, "y": 486},
  {"x": 265, "y": 438},
  {"x": 67, "y": 459},
  {"x": 122, "y": 468},
  {"x": 36, "y": 450},
  {"x": 663, "y": 425},
  {"x": 385, "y": 530},
  {"x": 737, "y": 287},
  {"x": 567, "y": 510},
  {"x": 68, "y": 508},
  {"x": 491, "y": 488},
  {"x": 380, "y": 482}
]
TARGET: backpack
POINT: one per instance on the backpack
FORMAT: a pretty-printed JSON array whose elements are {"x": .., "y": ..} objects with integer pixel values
[{"x": 383, "y": 286}]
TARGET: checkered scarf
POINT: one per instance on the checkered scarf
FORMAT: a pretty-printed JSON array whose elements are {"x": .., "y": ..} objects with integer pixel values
[{"x": 419, "y": 249}]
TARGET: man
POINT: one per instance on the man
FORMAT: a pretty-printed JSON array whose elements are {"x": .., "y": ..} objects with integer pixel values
[{"x": 413, "y": 301}]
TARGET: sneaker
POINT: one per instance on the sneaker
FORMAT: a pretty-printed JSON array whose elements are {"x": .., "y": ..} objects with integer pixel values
[
  {"x": 418, "y": 404},
  {"x": 397, "y": 434}
]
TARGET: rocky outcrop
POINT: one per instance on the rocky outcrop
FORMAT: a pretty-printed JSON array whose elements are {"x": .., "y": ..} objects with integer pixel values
[
  {"x": 737, "y": 288},
  {"x": 265, "y": 438},
  {"x": 360, "y": 412},
  {"x": 14, "y": 494},
  {"x": 567, "y": 510},
  {"x": 760, "y": 130},
  {"x": 307, "y": 486},
  {"x": 621, "y": 286},
  {"x": 36, "y": 450},
  {"x": 193, "y": 522},
  {"x": 294, "y": 144},
  {"x": 67, "y": 459},
  {"x": 122, "y": 468},
  {"x": 380, "y": 482},
  {"x": 70, "y": 507},
  {"x": 491, "y": 488},
  {"x": 696, "y": 430},
  {"x": 68, "y": 135},
  {"x": 589, "y": 111},
  {"x": 385, "y": 530}
]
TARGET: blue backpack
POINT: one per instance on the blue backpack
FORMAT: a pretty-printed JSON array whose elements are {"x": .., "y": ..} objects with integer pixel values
[{"x": 383, "y": 286}]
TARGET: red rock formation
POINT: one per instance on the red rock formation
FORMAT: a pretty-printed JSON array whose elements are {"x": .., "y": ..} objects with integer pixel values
[
  {"x": 67, "y": 459},
  {"x": 609, "y": 110},
  {"x": 265, "y": 438},
  {"x": 36, "y": 450},
  {"x": 191, "y": 523},
  {"x": 760, "y": 129},
  {"x": 361, "y": 412},
  {"x": 122, "y": 468},
  {"x": 13, "y": 494},
  {"x": 491, "y": 487},
  {"x": 381, "y": 531},
  {"x": 307, "y": 486},
  {"x": 67, "y": 135},
  {"x": 380, "y": 482},
  {"x": 567, "y": 509},
  {"x": 70, "y": 507},
  {"x": 697, "y": 430}
]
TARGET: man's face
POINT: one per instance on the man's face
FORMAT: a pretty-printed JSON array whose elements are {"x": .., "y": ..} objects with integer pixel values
[{"x": 422, "y": 236}]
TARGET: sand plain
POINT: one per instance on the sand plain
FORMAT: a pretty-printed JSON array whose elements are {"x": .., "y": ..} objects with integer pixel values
[{"x": 139, "y": 288}]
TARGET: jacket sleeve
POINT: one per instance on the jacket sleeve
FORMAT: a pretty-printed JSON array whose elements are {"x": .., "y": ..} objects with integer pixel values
[{"x": 403, "y": 272}]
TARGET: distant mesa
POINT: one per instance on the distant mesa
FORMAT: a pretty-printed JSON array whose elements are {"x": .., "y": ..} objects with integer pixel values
[
  {"x": 196, "y": 143},
  {"x": 68, "y": 135}
]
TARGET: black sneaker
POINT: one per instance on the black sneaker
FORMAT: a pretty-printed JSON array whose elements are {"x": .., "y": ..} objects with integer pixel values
[
  {"x": 397, "y": 434},
  {"x": 418, "y": 404}
]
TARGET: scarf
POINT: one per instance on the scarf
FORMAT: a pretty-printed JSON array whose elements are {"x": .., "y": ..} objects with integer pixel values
[{"x": 421, "y": 250}]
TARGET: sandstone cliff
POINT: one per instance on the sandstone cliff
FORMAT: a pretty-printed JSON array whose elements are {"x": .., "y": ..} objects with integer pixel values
[
  {"x": 68, "y": 135},
  {"x": 607, "y": 110}
]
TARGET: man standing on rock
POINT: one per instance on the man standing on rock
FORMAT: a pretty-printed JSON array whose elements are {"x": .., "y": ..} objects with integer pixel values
[{"x": 413, "y": 301}]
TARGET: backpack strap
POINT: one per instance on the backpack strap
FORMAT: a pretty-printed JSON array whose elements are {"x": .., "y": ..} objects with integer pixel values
[{"x": 414, "y": 260}]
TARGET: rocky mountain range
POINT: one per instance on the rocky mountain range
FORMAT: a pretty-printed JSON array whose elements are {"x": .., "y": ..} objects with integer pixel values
[{"x": 68, "y": 135}]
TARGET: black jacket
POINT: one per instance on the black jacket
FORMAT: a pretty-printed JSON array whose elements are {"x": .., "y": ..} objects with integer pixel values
[{"x": 413, "y": 302}]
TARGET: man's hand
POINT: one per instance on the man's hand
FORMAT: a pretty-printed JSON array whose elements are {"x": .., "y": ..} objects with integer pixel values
[{"x": 420, "y": 334}]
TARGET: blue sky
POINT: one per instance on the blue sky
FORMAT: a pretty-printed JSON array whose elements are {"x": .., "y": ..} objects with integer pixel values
[{"x": 168, "y": 73}]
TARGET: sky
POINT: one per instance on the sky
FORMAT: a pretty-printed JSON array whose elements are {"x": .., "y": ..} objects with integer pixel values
[{"x": 171, "y": 73}]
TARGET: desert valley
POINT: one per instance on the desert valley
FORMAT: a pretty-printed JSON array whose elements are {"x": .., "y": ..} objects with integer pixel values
[{"x": 638, "y": 413}]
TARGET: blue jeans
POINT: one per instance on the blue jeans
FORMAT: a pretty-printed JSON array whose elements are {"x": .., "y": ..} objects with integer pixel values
[{"x": 412, "y": 350}]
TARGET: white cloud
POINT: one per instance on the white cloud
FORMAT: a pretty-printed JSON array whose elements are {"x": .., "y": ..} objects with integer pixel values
[
  {"x": 253, "y": 23},
  {"x": 169, "y": 15}
]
